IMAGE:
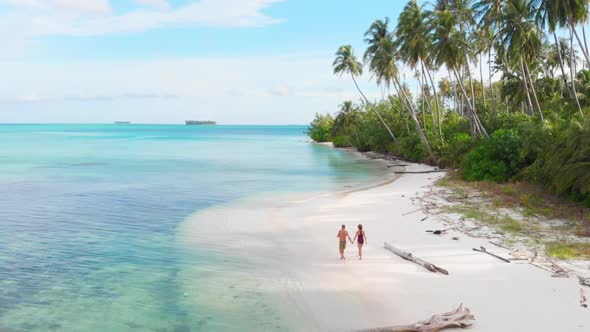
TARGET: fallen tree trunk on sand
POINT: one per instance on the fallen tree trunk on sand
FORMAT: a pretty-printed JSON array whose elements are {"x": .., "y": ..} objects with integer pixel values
[
  {"x": 409, "y": 257},
  {"x": 423, "y": 172},
  {"x": 458, "y": 318}
]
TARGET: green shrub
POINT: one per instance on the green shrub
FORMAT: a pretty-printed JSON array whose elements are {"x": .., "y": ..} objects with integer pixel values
[
  {"x": 497, "y": 159},
  {"x": 563, "y": 163},
  {"x": 454, "y": 151},
  {"x": 410, "y": 147},
  {"x": 320, "y": 128},
  {"x": 508, "y": 120},
  {"x": 455, "y": 124},
  {"x": 341, "y": 142}
]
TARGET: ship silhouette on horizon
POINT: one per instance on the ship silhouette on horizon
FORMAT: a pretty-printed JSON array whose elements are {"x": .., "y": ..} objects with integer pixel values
[{"x": 200, "y": 123}]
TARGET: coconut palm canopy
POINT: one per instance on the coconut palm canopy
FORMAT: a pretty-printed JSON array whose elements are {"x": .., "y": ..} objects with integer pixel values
[{"x": 439, "y": 101}]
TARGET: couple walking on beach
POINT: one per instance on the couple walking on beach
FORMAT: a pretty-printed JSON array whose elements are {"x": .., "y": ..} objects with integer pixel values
[{"x": 360, "y": 236}]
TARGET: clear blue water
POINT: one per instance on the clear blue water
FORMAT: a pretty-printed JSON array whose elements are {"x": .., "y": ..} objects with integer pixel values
[{"x": 88, "y": 214}]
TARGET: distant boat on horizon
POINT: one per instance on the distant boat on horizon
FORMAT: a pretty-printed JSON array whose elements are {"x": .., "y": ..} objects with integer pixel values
[
  {"x": 200, "y": 123},
  {"x": 122, "y": 122}
]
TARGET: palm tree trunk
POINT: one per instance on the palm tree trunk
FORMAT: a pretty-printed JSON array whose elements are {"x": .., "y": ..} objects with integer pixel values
[
  {"x": 526, "y": 87},
  {"x": 491, "y": 81},
  {"x": 530, "y": 79},
  {"x": 585, "y": 41},
  {"x": 465, "y": 100},
  {"x": 483, "y": 90},
  {"x": 561, "y": 62},
  {"x": 416, "y": 122},
  {"x": 456, "y": 98},
  {"x": 373, "y": 108},
  {"x": 403, "y": 111},
  {"x": 584, "y": 51},
  {"x": 442, "y": 140},
  {"x": 478, "y": 126},
  {"x": 421, "y": 86},
  {"x": 471, "y": 83},
  {"x": 572, "y": 73},
  {"x": 426, "y": 95}
]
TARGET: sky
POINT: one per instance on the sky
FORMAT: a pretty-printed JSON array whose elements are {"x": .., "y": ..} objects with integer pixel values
[{"x": 166, "y": 61}]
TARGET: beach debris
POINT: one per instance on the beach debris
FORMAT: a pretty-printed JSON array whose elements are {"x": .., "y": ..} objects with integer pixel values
[
  {"x": 456, "y": 238},
  {"x": 584, "y": 281},
  {"x": 485, "y": 251},
  {"x": 458, "y": 318},
  {"x": 441, "y": 231},
  {"x": 409, "y": 257},
  {"x": 423, "y": 172},
  {"x": 423, "y": 218},
  {"x": 558, "y": 271},
  {"x": 583, "y": 299}
]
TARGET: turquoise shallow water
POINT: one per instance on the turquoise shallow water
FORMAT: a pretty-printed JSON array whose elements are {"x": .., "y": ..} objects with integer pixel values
[{"x": 88, "y": 215}]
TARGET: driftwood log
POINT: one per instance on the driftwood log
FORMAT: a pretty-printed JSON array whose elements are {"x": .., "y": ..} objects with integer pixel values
[
  {"x": 458, "y": 318},
  {"x": 422, "y": 172},
  {"x": 484, "y": 250},
  {"x": 409, "y": 257}
]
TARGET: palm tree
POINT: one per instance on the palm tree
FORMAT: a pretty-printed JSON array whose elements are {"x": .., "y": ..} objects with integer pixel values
[
  {"x": 383, "y": 64},
  {"x": 413, "y": 41},
  {"x": 521, "y": 39},
  {"x": 450, "y": 47},
  {"x": 347, "y": 117},
  {"x": 378, "y": 30},
  {"x": 558, "y": 13},
  {"x": 446, "y": 89},
  {"x": 346, "y": 62},
  {"x": 564, "y": 13}
]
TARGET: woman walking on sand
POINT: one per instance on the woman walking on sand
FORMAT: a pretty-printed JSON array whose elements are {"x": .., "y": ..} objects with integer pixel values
[{"x": 362, "y": 240}]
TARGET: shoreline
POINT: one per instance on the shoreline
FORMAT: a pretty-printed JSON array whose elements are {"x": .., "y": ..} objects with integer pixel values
[{"x": 280, "y": 253}]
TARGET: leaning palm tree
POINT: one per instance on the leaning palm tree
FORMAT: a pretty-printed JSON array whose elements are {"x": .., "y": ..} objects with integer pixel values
[
  {"x": 564, "y": 13},
  {"x": 521, "y": 39},
  {"x": 450, "y": 47},
  {"x": 378, "y": 30},
  {"x": 383, "y": 64},
  {"x": 346, "y": 62},
  {"x": 413, "y": 41}
]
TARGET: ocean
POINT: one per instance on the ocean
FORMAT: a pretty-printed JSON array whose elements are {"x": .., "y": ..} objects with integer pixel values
[{"x": 90, "y": 214}]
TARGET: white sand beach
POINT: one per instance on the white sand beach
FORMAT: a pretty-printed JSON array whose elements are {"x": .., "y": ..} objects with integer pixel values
[{"x": 289, "y": 250}]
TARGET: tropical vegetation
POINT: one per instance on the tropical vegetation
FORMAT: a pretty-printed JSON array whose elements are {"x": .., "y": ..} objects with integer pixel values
[{"x": 499, "y": 89}]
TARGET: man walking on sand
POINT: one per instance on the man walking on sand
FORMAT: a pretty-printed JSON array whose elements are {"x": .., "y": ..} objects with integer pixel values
[{"x": 342, "y": 235}]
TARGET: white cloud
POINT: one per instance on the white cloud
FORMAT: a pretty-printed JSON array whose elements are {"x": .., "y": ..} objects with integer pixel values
[
  {"x": 59, "y": 20},
  {"x": 88, "y": 6}
]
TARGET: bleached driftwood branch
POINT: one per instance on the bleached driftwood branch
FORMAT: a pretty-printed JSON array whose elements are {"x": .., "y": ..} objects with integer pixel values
[
  {"x": 409, "y": 257},
  {"x": 458, "y": 318},
  {"x": 485, "y": 251}
]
